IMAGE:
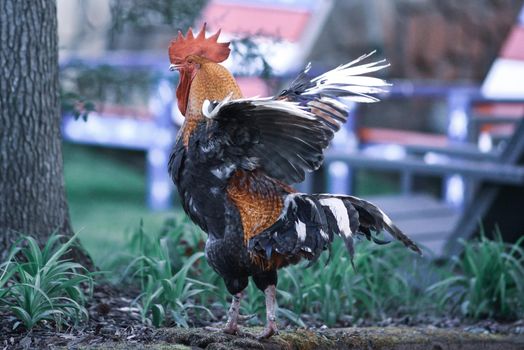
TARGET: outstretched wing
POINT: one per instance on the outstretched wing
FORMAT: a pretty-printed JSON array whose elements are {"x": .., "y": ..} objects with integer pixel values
[{"x": 286, "y": 135}]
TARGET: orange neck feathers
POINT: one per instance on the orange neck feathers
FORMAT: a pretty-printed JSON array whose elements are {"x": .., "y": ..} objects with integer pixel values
[
  {"x": 211, "y": 82},
  {"x": 201, "y": 76}
]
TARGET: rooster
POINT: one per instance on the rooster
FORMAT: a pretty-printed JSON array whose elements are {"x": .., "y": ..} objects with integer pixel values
[{"x": 236, "y": 158}]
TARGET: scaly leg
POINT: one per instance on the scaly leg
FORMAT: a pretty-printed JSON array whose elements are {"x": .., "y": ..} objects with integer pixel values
[
  {"x": 232, "y": 315},
  {"x": 271, "y": 304}
]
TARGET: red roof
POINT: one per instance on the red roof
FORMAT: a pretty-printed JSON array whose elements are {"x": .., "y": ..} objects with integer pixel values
[
  {"x": 514, "y": 45},
  {"x": 253, "y": 86},
  {"x": 252, "y": 19},
  {"x": 401, "y": 137}
]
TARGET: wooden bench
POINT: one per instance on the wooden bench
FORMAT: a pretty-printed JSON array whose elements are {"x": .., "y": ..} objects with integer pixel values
[{"x": 428, "y": 221}]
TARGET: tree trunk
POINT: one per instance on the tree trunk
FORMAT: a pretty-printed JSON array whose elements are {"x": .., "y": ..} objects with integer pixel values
[{"x": 32, "y": 194}]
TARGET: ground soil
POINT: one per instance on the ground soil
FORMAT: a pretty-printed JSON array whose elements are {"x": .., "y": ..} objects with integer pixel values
[{"x": 114, "y": 324}]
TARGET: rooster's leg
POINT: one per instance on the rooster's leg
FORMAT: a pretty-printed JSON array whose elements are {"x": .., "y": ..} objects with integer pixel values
[
  {"x": 271, "y": 304},
  {"x": 232, "y": 315}
]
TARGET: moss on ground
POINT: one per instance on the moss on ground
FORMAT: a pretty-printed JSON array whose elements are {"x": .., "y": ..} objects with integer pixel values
[{"x": 373, "y": 338}]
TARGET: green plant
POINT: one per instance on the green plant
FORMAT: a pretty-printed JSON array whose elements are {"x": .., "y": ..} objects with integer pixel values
[
  {"x": 163, "y": 292},
  {"x": 43, "y": 285},
  {"x": 6, "y": 272},
  {"x": 490, "y": 282},
  {"x": 172, "y": 296},
  {"x": 320, "y": 290},
  {"x": 175, "y": 242},
  {"x": 382, "y": 283},
  {"x": 387, "y": 281}
]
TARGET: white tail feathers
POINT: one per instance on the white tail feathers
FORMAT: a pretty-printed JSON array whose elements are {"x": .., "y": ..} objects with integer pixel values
[
  {"x": 340, "y": 212},
  {"x": 349, "y": 80}
]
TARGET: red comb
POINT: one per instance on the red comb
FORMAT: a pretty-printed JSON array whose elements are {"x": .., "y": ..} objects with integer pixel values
[{"x": 201, "y": 46}]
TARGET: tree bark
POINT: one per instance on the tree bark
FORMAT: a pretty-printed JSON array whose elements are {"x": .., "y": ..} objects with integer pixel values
[{"x": 32, "y": 192}]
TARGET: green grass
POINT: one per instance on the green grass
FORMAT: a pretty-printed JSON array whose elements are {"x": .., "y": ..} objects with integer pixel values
[
  {"x": 106, "y": 198},
  {"x": 371, "y": 183}
]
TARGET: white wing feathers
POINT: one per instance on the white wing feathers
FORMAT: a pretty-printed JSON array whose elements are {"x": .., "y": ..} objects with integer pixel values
[
  {"x": 212, "y": 109},
  {"x": 348, "y": 81}
]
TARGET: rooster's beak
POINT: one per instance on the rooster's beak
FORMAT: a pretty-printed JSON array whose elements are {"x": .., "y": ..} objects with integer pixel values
[{"x": 173, "y": 67}]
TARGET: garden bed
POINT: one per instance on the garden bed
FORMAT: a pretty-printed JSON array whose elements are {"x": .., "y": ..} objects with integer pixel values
[
  {"x": 114, "y": 325},
  {"x": 389, "y": 300}
]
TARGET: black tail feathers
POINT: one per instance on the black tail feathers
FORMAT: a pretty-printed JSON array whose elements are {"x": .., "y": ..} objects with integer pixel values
[
  {"x": 374, "y": 219},
  {"x": 308, "y": 224}
]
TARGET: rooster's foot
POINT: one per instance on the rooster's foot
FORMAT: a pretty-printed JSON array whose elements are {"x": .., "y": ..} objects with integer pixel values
[{"x": 270, "y": 330}]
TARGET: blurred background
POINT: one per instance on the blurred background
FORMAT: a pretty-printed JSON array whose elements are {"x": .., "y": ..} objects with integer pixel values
[{"x": 442, "y": 152}]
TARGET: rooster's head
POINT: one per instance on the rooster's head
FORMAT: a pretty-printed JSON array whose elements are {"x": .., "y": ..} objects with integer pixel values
[{"x": 188, "y": 53}]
